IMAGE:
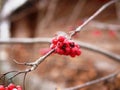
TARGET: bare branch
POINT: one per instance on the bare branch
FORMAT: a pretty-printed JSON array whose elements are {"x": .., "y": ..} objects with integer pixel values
[
  {"x": 40, "y": 60},
  {"x": 19, "y": 63},
  {"x": 48, "y": 40},
  {"x": 104, "y": 26},
  {"x": 32, "y": 67},
  {"x": 99, "y": 50},
  {"x": 3, "y": 75},
  {"x": 25, "y": 40},
  {"x": 19, "y": 72},
  {"x": 24, "y": 79},
  {"x": 94, "y": 81},
  {"x": 92, "y": 17}
]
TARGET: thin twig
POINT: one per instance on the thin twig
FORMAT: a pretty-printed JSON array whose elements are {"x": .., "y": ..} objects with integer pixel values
[
  {"x": 99, "y": 50},
  {"x": 93, "y": 82},
  {"x": 3, "y": 75},
  {"x": 78, "y": 29},
  {"x": 24, "y": 79},
  {"x": 19, "y": 63},
  {"x": 33, "y": 65},
  {"x": 19, "y": 72},
  {"x": 104, "y": 26},
  {"x": 41, "y": 59}
]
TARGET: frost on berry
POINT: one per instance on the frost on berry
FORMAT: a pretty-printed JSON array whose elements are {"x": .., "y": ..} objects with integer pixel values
[
  {"x": 18, "y": 87},
  {"x": 64, "y": 46},
  {"x": 14, "y": 89}
]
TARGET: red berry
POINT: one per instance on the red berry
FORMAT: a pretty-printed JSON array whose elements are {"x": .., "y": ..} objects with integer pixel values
[
  {"x": 54, "y": 41},
  {"x": 72, "y": 54},
  {"x": 66, "y": 43},
  {"x": 74, "y": 49},
  {"x": 6, "y": 88},
  {"x": 11, "y": 86},
  {"x": 78, "y": 52},
  {"x": 72, "y": 44},
  {"x": 61, "y": 38},
  {"x": 60, "y": 51},
  {"x": 59, "y": 44},
  {"x": 2, "y": 87},
  {"x": 76, "y": 45},
  {"x": 68, "y": 49}
]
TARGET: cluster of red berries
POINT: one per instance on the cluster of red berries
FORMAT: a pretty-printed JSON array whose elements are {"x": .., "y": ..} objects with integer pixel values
[
  {"x": 10, "y": 87},
  {"x": 64, "y": 46}
]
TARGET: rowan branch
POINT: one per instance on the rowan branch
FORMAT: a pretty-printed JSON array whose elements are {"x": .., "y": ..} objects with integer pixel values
[
  {"x": 94, "y": 48},
  {"x": 94, "y": 81},
  {"x": 39, "y": 60},
  {"x": 79, "y": 28},
  {"x": 25, "y": 40},
  {"x": 32, "y": 67}
]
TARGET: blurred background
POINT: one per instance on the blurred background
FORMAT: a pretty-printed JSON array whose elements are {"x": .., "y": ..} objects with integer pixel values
[{"x": 44, "y": 18}]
